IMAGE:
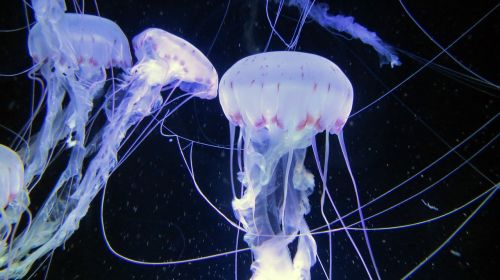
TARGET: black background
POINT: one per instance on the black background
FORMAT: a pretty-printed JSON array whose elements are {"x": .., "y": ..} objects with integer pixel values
[{"x": 152, "y": 211}]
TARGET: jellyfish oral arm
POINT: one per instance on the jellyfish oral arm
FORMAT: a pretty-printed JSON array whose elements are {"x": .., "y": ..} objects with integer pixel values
[{"x": 272, "y": 218}]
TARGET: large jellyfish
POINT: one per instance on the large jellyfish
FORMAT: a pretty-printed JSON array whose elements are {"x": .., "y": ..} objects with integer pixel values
[{"x": 280, "y": 101}]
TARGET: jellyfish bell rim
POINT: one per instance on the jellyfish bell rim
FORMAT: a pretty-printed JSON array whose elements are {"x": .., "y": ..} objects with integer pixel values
[{"x": 316, "y": 120}]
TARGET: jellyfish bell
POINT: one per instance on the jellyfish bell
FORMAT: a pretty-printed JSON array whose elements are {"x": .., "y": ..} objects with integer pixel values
[
  {"x": 166, "y": 58},
  {"x": 280, "y": 101},
  {"x": 288, "y": 91},
  {"x": 77, "y": 40},
  {"x": 11, "y": 175},
  {"x": 14, "y": 199}
]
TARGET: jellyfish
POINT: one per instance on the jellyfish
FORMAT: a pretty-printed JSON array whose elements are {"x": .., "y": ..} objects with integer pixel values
[
  {"x": 71, "y": 51},
  {"x": 280, "y": 101}
]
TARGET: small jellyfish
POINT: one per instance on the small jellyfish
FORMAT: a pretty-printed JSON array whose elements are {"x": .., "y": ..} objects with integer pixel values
[{"x": 14, "y": 200}]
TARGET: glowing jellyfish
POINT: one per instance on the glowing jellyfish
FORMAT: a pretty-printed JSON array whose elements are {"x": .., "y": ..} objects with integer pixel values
[
  {"x": 280, "y": 101},
  {"x": 72, "y": 52}
]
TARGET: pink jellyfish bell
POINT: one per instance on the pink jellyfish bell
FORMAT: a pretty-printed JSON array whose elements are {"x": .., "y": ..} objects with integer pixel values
[{"x": 166, "y": 58}]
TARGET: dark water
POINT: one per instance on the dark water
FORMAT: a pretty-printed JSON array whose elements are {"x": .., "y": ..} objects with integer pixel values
[{"x": 153, "y": 212}]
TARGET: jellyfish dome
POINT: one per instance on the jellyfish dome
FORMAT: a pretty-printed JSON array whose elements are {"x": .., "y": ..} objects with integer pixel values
[
  {"x": 290, "y": 91},
  {"x": 280, "y": 101},
  {"x": 177, "y": 61}
]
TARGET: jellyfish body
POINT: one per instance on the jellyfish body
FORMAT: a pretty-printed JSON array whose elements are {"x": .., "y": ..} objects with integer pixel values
[{"x": 280, "y": 101}]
